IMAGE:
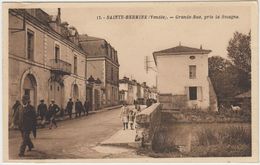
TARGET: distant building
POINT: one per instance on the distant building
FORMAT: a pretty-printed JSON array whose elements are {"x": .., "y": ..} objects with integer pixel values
[
  {"x": 102, "y": 64},
  {"x": 45, "y": 58},
  {"x": 126, "y": 91},
  {"x": 131, "y": 90},
  {"x": 183, "y": 80}
]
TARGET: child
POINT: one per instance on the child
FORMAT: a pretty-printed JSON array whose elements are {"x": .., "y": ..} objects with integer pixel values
[{"x": 131, "y": 119}]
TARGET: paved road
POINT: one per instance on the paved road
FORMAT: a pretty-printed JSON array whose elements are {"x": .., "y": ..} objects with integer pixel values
[{"x": 72, "y": 139}]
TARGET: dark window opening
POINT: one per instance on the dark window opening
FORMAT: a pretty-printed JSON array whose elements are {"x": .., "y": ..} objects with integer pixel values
[
  {"x": 30, "y": 45},
  {"x": 57, "y": 53},
  {"x": 75, "y": 65},
  {"x": 193, "y": 93}
]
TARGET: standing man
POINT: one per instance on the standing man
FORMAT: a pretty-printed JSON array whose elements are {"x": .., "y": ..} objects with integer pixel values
[
  {"x": 69, "y": 107},
  {"x": 53, "y": 110},
  {"x": 78, "y": 107},
  {"x": 26, "y": 121},
  {"x": 86, "y": 106},
  {"x": 41, "y": 111}
]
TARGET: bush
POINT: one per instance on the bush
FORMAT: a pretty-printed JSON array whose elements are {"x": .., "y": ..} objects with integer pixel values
[
  {"x": 233, "y": 135},
  {"x": 163, "y": 142}
]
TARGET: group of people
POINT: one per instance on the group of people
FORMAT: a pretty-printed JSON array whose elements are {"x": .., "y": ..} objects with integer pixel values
[
  {"x": 79, "y": 108},
  {"x": 128, "y": 115},
  {"x": 25, "y": 117}
]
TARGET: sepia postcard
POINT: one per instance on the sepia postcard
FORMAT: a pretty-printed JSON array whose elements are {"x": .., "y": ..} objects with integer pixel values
[{"x": 131, "y": 82}]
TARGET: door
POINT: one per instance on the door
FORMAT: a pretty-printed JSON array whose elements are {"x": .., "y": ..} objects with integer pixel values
[{"x": 29, "y": 88}]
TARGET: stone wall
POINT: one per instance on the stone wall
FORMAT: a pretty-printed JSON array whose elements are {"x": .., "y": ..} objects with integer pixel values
[{"x": 148, "y": 122}]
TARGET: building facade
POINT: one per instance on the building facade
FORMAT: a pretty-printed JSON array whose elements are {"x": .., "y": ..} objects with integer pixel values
[
  {"x": 131, "y": 91},
  {"x": 45, "y": 59},
  {"x": 183, "y": 80},
  {"x": 102, "y": 64}
]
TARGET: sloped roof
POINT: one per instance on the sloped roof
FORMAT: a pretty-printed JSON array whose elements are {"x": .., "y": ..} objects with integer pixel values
[
  {"x": 184, "y": 49},
  {"x": 244, "y": 95},
  {"x": 180, "y": 50},
  {"x": 85, "y": 37}
]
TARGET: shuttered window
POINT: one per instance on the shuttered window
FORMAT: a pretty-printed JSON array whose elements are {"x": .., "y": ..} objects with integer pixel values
[
  {"x": 30, "y": 45},
  {"x": 192, "y": 71}
]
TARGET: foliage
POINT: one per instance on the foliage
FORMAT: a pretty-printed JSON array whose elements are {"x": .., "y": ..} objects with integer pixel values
[
  {"x": 229, "y": 136},
  {"x": 232, "y": 76},
  {"x": 239, "y": 51},
  {"x": 223, "y": 76},
  {"x": 163, "y": 142}
]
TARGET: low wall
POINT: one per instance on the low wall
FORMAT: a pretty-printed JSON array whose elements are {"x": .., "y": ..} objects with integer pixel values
[{"x": 147, "y": 123}]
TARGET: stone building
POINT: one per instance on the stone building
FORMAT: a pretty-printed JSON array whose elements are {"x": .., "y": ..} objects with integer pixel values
[
  {"x": 45, "y": 58},
  {"x": 183, "y": 80},
  {"x": 102, "y": 64}
]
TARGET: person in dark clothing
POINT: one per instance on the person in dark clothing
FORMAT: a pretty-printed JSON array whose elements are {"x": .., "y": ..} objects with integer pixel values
[
  {"x": 26, "y": 121},
  {"x": 69, "y": 107},
  {"x": 41, "y": 111},
  {"x": 53, "y": 110},
  {"x": 86, "y": 106},
  {"x": 14, "y": 108},
  {"x": 149, "y": 102},
  {"x": 78, "y": 107}
]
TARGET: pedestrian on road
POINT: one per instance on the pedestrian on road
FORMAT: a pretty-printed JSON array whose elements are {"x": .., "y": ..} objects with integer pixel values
[
  {"x": 14, "y": 108},
  {"x": 41, "y": 111},
  {"x": 78, "y": 108},
  {"x": 131, "y": 118},
  {"x": 86, "y": 106},
  {"x": 25, "y": 118},
  {"x": 69, "y": 107},
  {"x": 53, "y": 110},
  {"x": 124, "y": 116}
]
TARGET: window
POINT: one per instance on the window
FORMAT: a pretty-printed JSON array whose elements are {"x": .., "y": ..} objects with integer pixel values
[
  {"x": 192, "y": 71},
  {"x": 75, "y": 65},
  {"x": 57, "y": 53},
  {"x": 30, "y": 44},
  {"x": 193, "y": 93}
]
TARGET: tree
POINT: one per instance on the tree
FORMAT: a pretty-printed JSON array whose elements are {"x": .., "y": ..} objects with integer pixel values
[
  {"x": 239, "y": 52},
  {"x": 223, "y": 76}
]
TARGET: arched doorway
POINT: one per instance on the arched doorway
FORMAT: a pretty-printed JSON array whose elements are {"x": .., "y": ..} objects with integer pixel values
[
  {"x": 75, "y": 92},
  {"x": 30, "y": 88}
]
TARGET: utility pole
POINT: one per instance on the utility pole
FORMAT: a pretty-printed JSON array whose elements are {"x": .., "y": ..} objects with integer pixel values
[{"x": 147, "y": 67}]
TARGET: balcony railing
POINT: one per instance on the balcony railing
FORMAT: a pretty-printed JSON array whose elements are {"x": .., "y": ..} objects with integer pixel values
[{"x": 60, "y": 67}]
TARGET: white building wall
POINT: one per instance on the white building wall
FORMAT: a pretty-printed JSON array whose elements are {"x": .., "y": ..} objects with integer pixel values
[
  {"x": 173, "y": 76},
  {"x": 135, "y": 92}
]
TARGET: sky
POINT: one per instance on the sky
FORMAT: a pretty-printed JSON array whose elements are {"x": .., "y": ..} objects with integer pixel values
[{"x": 135, "y": 39}]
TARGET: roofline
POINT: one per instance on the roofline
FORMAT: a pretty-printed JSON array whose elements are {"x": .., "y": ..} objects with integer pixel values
[
  {"x": 21, "y": 14},
  {"x": 204, "y": 52}
]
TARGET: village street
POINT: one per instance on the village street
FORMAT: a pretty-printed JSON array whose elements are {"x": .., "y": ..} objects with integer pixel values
[{"x": 73, "y": 138}]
